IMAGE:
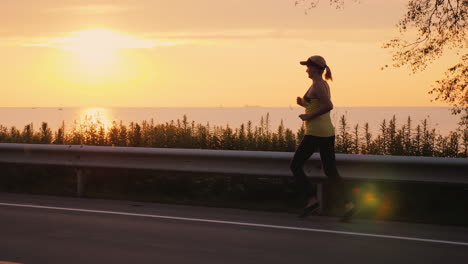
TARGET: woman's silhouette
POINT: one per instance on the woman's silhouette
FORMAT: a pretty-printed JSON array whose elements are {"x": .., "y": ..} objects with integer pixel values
[{"x": 319, "y": 135}]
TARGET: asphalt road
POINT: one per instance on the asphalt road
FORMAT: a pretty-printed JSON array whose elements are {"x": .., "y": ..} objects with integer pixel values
[{"x": 49, "y": 230}]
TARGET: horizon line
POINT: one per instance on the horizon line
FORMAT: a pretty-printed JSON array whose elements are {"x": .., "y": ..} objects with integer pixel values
[{"x": 245, "y": 106}]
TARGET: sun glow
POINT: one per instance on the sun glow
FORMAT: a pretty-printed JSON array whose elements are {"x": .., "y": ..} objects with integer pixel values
[
  {"x": 94, "y": 51},
  {"x": 96, "y": 48},
  {"x": 99, "y": 62}
]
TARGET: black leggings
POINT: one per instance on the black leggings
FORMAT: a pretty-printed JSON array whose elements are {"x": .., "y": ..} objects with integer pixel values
[{"x": 308, "y": 146}]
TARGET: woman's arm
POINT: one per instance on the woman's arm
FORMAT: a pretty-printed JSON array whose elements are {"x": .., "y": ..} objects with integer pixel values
[{"x": 299, "y": 101}]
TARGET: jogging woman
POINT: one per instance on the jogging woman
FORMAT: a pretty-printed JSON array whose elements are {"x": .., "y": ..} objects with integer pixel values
[{"x": 319, "y": 135}]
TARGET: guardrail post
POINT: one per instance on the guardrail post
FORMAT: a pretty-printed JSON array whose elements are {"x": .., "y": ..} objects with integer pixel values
[{"x": 79, "y": 182}]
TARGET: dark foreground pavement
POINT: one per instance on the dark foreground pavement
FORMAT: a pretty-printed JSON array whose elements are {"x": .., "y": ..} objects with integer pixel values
[{"x": 160, "y": 233}]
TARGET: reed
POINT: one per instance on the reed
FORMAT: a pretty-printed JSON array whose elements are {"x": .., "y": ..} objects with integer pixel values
[{"x": 183, "y": 133}]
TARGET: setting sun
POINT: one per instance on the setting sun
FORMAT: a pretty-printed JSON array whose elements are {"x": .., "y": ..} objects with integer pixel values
[
  {"x": 99, "y": 60},
  {"x": 92, "y": 48},
  {"x": 96, "y": 48},
  {"x": 94, "y": 56}
]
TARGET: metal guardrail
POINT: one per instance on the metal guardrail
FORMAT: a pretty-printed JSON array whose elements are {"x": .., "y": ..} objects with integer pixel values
[{"x": 373, "y": 167}]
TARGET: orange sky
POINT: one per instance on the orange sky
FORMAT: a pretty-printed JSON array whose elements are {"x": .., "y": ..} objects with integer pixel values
[{"x": 205, "y": 53}]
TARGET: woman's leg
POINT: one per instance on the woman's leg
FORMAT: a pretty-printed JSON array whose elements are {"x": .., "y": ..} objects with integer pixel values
[
  {"x": 327, "y": 155},
  {"x": 303, "y": 152}
]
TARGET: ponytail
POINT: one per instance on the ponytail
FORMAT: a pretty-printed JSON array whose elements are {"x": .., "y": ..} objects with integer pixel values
[{"x": 328, "y": 74}]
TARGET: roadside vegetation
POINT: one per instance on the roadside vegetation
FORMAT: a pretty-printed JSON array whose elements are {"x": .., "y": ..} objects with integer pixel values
[{"x": 406, "y": 139}]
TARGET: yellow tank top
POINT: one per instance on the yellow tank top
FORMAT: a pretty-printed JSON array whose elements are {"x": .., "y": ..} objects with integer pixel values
[{"x": 320, "y": 126}]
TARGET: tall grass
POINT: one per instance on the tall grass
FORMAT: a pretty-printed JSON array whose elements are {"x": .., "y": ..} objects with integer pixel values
[{"x": 391, "y": 139}]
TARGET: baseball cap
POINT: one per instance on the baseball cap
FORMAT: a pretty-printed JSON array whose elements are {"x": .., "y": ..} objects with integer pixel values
[{"x": 316, "y": 61}]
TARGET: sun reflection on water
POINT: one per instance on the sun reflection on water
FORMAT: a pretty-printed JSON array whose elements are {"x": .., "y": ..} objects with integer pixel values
[{"x": 96, "y": 116}]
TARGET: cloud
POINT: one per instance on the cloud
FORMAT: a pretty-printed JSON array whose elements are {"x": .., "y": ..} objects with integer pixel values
[
  {"x": 221, "y": 35},
  {"x": 88, "y": 9},
  {"x": 357, "y": 35},
  {"x": 117, "y": 40},
  {"x": 103, "y": 39}
]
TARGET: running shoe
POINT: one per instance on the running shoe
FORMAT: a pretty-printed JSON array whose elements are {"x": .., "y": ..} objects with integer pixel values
[
  {"x": 349, "y": 213},
  {"x": 310, "y": 209}
]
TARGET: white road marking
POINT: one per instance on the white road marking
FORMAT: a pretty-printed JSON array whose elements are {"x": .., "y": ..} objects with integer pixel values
[{"x": 241, "y": 224}]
